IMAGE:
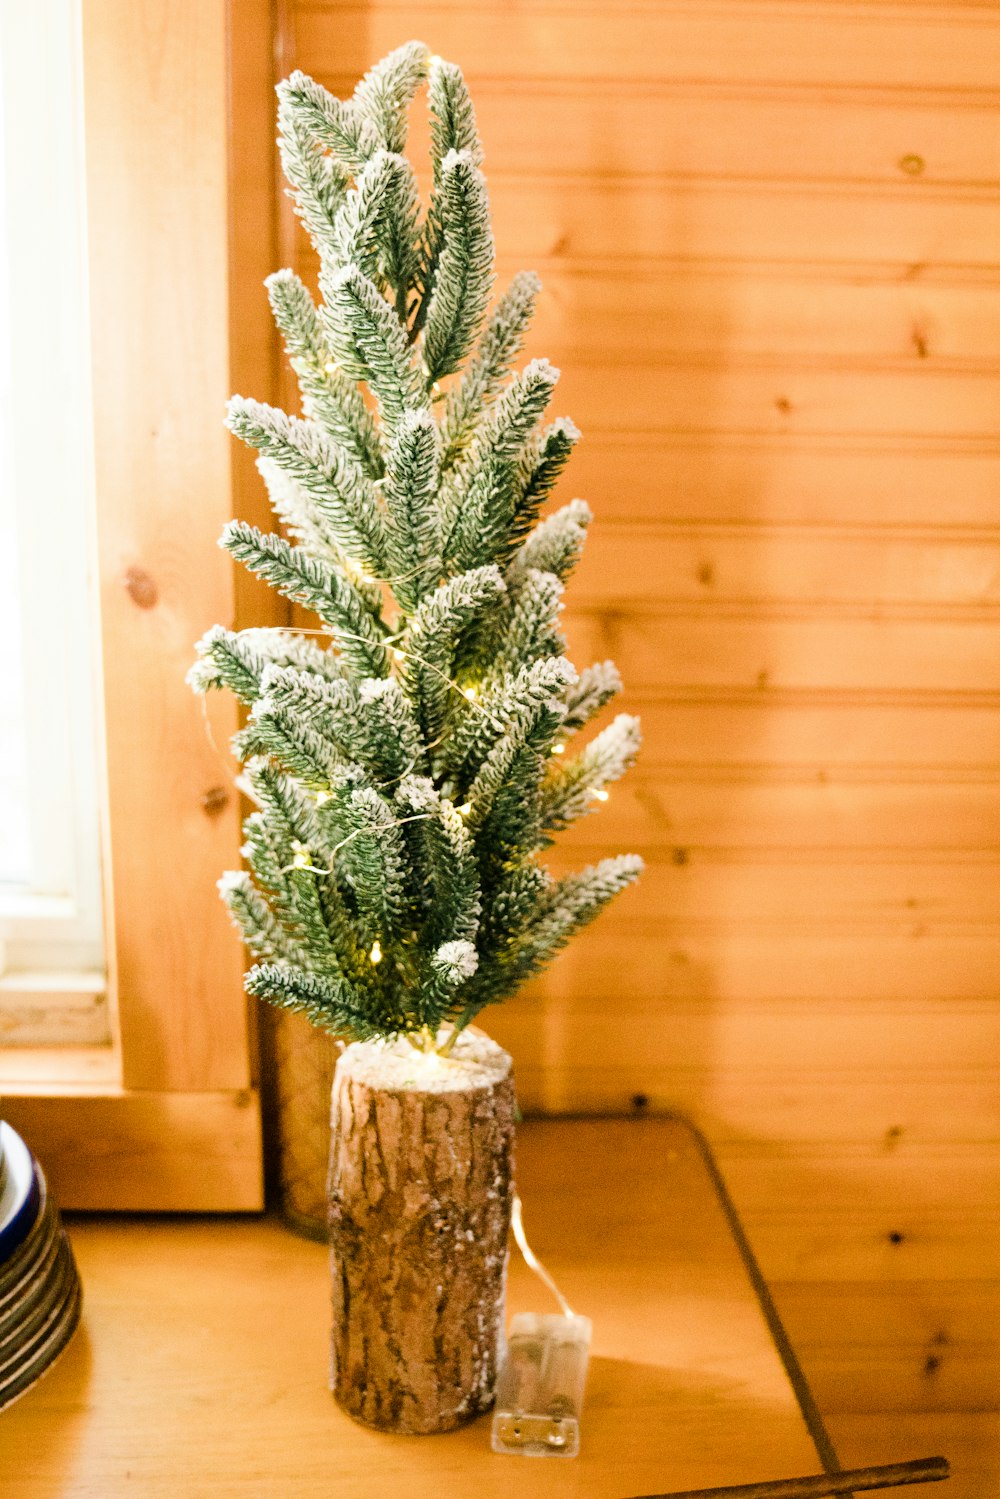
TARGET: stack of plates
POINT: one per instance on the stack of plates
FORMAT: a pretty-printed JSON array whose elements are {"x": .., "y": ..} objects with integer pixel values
[{"x": 39, "y": 1286}]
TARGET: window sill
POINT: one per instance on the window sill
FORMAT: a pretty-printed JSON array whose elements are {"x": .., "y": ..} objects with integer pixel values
[{"x": 53, "y": 1010}]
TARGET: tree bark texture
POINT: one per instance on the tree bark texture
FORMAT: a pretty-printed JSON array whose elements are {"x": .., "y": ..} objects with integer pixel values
[{"x": 420, "y": 1190}]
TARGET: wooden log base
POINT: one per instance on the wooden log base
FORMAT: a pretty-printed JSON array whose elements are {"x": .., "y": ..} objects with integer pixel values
[{"x": 420, "y": 1191}]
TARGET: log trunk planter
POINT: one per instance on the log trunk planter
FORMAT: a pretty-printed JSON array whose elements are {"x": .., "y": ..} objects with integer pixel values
[{"x": 420, "y": 1190}]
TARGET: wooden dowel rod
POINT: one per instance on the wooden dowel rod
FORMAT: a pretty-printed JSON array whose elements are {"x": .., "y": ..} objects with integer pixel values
[{"x": 891, "y": 1475}]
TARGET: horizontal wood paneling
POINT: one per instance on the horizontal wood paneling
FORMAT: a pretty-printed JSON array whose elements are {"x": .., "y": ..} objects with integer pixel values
[
  {"x": 767, "y": 233},
  {"x": 654, "y": 812},
  {"x": 731, "y": 133},
  {"x": 952, "y": 1038},
  {"x": 686, "y": 311},
  {"x": 666, "y": 962},
  {"x": 819, "y": 729},
  {"x": 880, "y": 46},
  {"x": 876, "y": 568},
  {"x": 781, "y": 478},
  {"x": 794, "y": 886},
  {"x": 738, "y": 396},
  {"x": 788, "y": 646}
]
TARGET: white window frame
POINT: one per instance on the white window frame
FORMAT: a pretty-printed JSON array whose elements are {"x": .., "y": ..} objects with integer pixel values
[{"x": 51, "y": 927}]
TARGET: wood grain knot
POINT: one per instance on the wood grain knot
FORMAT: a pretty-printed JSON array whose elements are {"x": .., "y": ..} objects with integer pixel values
[
  {"x": 912, "y": 164},
  {"x": 214, "y": 800},
  {"x": 783, "y": 404},
  {"x": 140, "y": 588}
]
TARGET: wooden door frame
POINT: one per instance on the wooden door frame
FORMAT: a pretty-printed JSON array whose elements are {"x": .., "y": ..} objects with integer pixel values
[{"x": 179, "y": 127}]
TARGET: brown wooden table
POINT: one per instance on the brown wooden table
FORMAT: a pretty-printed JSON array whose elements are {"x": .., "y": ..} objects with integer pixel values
[{"x": 200, "y": 1368}]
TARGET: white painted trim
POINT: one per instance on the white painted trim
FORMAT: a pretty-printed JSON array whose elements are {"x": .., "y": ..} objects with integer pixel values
[{"x": 55, "y": 917}]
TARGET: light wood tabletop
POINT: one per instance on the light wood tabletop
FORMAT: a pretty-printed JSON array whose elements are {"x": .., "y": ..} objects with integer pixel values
[{"x": 200, "y": 1367}]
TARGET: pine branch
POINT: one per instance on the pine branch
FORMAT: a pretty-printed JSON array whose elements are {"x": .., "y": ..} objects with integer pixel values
[
  {"x": 256, "y": 923},
  {"x": 514, "y": 903},
  {"x": 327, "y": 1001},
  {"x": 305, "y": 525},
  {"x": 314, "y": 583},
  {"x": 538, "y": 473},
  {"x": 305, "y": 841},
  {"x": 570, "y": 904},
  {"x": 447, "y": 860},
  {"x": 281, "y": 647},
  {"x": 597, "y": 685},
  {"x": 369, "y": 722},
  {"x": 482, "y": 494},
  {"x": 343, "y": 496},
  {"x": 463, "y": 278},
  {"x": 291, "y": 741},
  {"x": 507, "y": 762},
  {"x": 267, "y": 849},
  {"x": 376, "y": 229},
  {"x": 289, "y": 807},
  {"x": 443, "y": 980},
  {"x": 282, "y": 867},
  {"x": 329, "y": 398},
  {"x": 505, "y": 701},
  {"x": 370, "y": 342},
  {"x": 527, "y": 629},
  {"x": 225, "y": 659},
  {"x": 453, "y": 115},
  {"x": 572, "y": 787},
  {"x": 341, "y": 126},
  {"x": 386, "y": 91},
  {"x": 433, "y": 639},
  {"x": 498, "y": 347},
  {"x": 511, "y": 832},
  {"x": 554, "y": 546},
  {"x": 413, "y": 542},
  {"x": 453, "y": 128},
  {"x": 375, "y": 867},
  {"x": 318, "y": 183}
]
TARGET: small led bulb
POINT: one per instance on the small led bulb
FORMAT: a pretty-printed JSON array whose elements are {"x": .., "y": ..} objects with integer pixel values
[
  {"x": 322, "y": 797},
  {"x": 558, "y": 749},
  {"x": 376, "y": 952},
  {"x": 465, "y": 809},
  {"x": 470, "y": 693},
  {"x": 601, "y": 795}
]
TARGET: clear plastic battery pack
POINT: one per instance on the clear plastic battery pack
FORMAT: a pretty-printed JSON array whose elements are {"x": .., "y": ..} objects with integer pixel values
[{"x": 539, "y": 1390}]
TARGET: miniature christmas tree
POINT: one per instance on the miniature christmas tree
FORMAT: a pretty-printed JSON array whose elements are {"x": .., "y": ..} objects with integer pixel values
[{"x": 408, "y": 772}]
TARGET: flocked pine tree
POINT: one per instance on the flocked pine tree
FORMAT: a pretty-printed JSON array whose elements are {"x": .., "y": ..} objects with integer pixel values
[{"x": 408, "y": 772}]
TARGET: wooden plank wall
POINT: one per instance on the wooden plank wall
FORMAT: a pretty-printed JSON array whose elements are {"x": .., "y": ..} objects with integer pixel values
[{"x": 766, "y": 230}]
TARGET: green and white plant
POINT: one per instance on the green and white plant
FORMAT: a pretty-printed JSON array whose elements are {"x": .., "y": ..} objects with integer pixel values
[{"x": 408, "y": 765}]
